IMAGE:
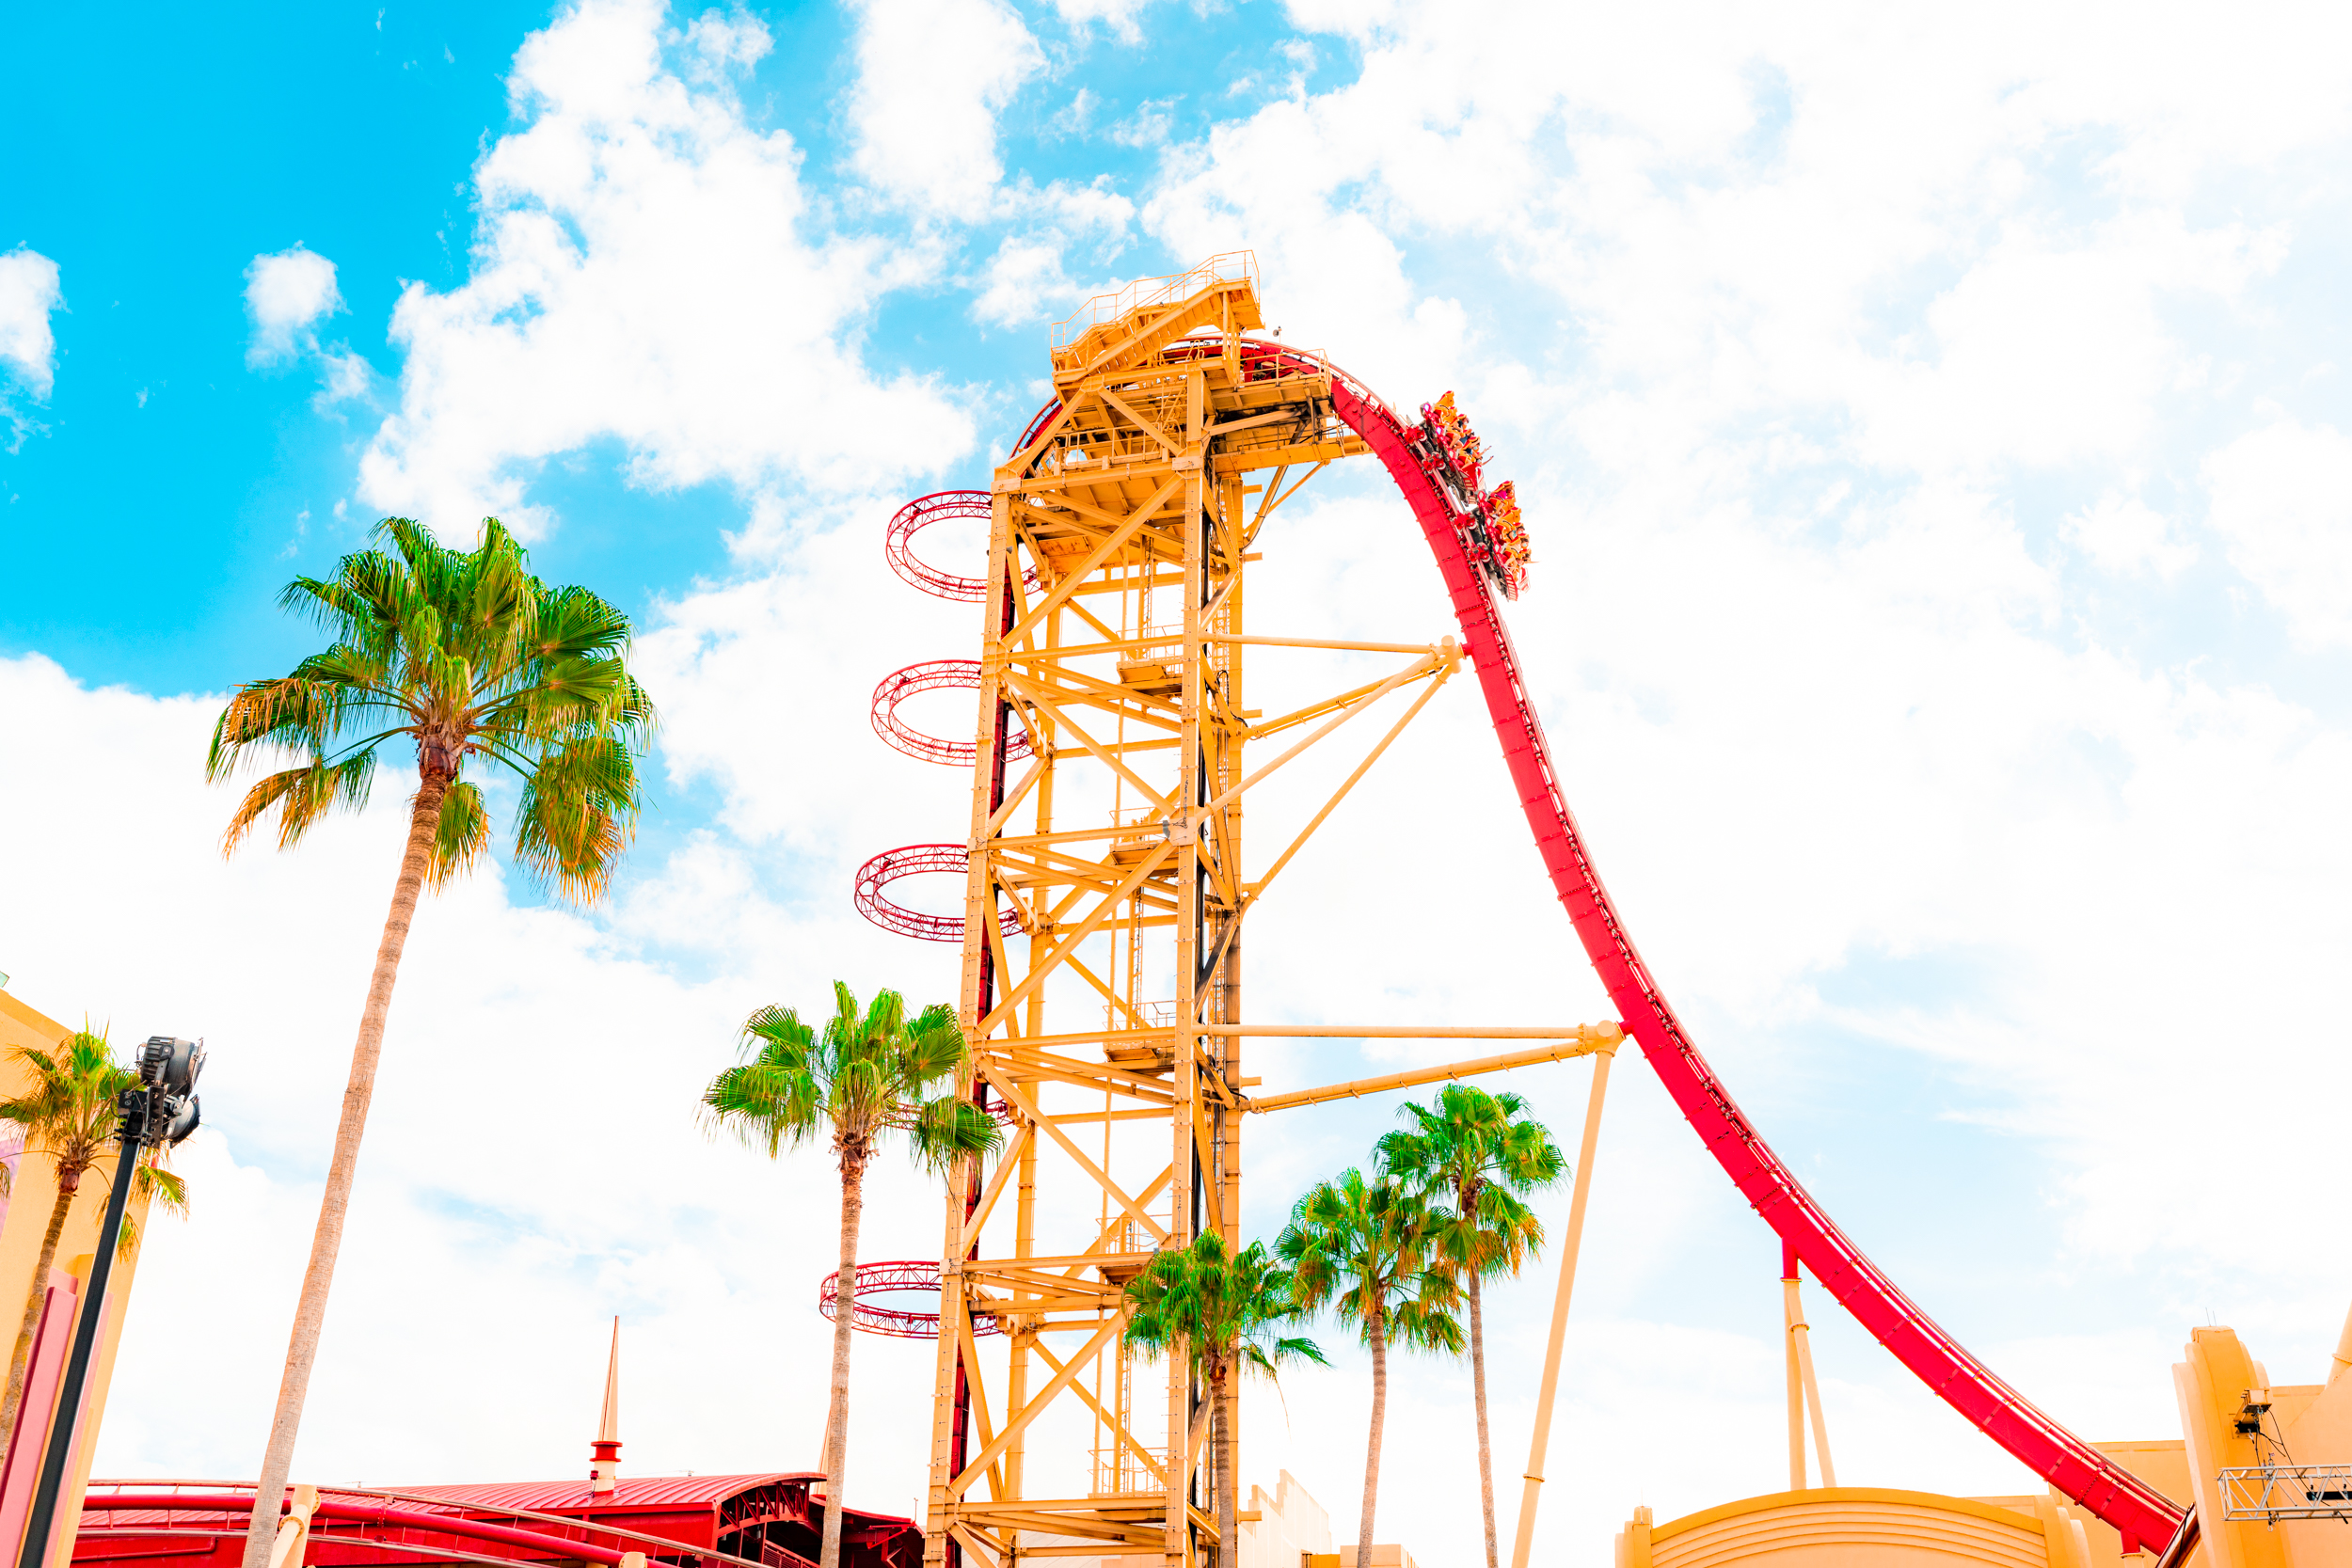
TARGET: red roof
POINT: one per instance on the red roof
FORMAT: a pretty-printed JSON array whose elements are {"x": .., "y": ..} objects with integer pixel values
[
  {"x": 628, "y": 1492},
  {"x": 769, "y": 1519}
]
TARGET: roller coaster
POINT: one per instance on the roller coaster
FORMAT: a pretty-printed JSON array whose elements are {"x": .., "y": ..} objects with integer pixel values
[{"x": 1110, "y": 667}]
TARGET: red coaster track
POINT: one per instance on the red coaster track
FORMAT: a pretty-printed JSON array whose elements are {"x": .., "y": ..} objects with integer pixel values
[
  {"x": 2141, "y": 1513},
  {"x": 1461, "y": 526}
]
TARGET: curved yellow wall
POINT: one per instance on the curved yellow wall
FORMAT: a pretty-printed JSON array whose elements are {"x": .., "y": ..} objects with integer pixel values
[{"x": 1846, "y": 1526}]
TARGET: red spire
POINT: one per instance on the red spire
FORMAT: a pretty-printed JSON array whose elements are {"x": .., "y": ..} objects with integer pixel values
[{"x": 604, "y": 1454}]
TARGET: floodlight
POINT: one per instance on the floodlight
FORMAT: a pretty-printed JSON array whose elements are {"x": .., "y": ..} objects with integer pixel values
[
  {"x": 185, "y": 1116},
  {"x": 171, "y": 1065}
]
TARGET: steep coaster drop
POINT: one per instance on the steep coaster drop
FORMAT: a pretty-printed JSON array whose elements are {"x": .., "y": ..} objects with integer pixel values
[
  {"x": 2141, "y": 1513},
  {"x": 1131, "y": 482}
]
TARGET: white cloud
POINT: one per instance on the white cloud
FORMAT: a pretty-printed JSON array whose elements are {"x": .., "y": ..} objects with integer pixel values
[
  {"x": 1148, "y": 126},
  {"x": 288, "y": 293},
  {"x": 349, "y": 376},
  {"x": 28, "y": 293},
  {"x": 644, "y": 271},
  {"x": 931, "y": 75},
  {"x": 2122, "y": 533},
  {"x": 2046, "y": 353},
  {"x": 1076, "y": 117},
  {"x": 1121, "y": 14},
  {"x": 2283, "y": 502},
  {"x": 1022, "y": 277},
  {"x": 717, "y": 44},
  {"x": 1025, "y": 281}
]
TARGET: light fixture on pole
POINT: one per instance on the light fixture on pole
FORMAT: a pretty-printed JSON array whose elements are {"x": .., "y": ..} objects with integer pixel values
[{"x": 162, "y": 1111}]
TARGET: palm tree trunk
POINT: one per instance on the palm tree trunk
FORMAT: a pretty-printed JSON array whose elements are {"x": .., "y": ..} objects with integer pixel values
[
  {"x": 1478, "y": 1398},
  {"x": 1378, "y": 1332},
  {"x": 34, "y": 1300},
  {"x": 1228, "y": 1522},
  {"x": 844, "y": 1311},
  {"x": 302, "y": 1347}
]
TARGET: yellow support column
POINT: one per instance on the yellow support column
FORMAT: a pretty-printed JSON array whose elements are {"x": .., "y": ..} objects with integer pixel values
[
  {"x": 1549, "y": 1389},
  {"x": 1803, "y": 1392}
]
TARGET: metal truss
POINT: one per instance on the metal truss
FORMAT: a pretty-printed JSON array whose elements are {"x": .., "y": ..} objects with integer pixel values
[
  {"x": 1115, "y": 750},
  {"x": 2274, "y": 1491}
]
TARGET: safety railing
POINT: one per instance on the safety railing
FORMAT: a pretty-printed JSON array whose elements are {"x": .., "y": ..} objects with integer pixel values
[
  {"x": 1121, "y": 1471},
  {"x": 1234, "y": 266}
]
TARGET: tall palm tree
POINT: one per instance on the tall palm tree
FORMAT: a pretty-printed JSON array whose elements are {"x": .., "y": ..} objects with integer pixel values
[
  {"x": 868, "y": 1073},
  {"x": 69, "y": 1114},
  {"x": 461, "y": 655},
  {"x": 1224, "y": 1312},
  {"x": 1368, "y": 1248},
  {"x": 1477, "y": 1152}
]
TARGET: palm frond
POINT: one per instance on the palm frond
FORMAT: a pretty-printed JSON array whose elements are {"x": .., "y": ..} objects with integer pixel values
[
  {"x": 164, "y": 1189},
  {"x": 578, "y": 814},
  {"x": 766, "y": 1106},
  {"x": 779, "y": 1027},
  {"x": 301, "y": 797},
  {"x": 949, "y": 1130},
  {"x": 461, "y": 835},
  {"x": 167, "y": 1189}
]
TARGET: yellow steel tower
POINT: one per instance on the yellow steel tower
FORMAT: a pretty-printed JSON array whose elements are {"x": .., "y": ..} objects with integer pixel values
[{"x": 1105, "y": 876}]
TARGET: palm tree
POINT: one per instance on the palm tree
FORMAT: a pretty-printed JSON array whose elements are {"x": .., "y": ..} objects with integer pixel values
[
  {"x": 1368, "y": 1248},
  {"x": 868, "y": 1073},
  {"x": 461, "y": 655},
  {"x": 1224, "y": 1312},
  {"x": 69, "y": 1114},
  {"x": 1478, "y": 1152}
]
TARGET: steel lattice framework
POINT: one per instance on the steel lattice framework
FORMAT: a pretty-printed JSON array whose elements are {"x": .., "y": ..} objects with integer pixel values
[{"x": 1113, "y": 753}]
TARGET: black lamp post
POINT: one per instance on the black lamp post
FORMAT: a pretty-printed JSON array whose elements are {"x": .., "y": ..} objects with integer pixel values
[{"x": 162, "y": 1111}]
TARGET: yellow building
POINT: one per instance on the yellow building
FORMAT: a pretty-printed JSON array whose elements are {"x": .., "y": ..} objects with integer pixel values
[
  {"x": 23, "y": 1218},
  {"x": 2267, "y": 1468}
]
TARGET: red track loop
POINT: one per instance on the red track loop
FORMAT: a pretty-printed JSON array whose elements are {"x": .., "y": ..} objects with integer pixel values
[
  {"x": 939, "y": 674},
  {"x": 914, "y": 860},
  {"x": 918, "y": 515},
  {"x": 910, "y": 1277}
]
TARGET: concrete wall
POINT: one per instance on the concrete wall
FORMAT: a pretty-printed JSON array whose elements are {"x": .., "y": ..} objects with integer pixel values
[{"x": 1290, "y": 1524}]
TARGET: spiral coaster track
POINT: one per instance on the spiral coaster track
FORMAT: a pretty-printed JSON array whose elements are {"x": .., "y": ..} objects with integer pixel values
[{"x": 1110, "y": 868}]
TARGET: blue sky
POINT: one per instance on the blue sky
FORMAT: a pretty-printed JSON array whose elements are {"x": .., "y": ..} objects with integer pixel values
[{"x": 1933, "y": 435}]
